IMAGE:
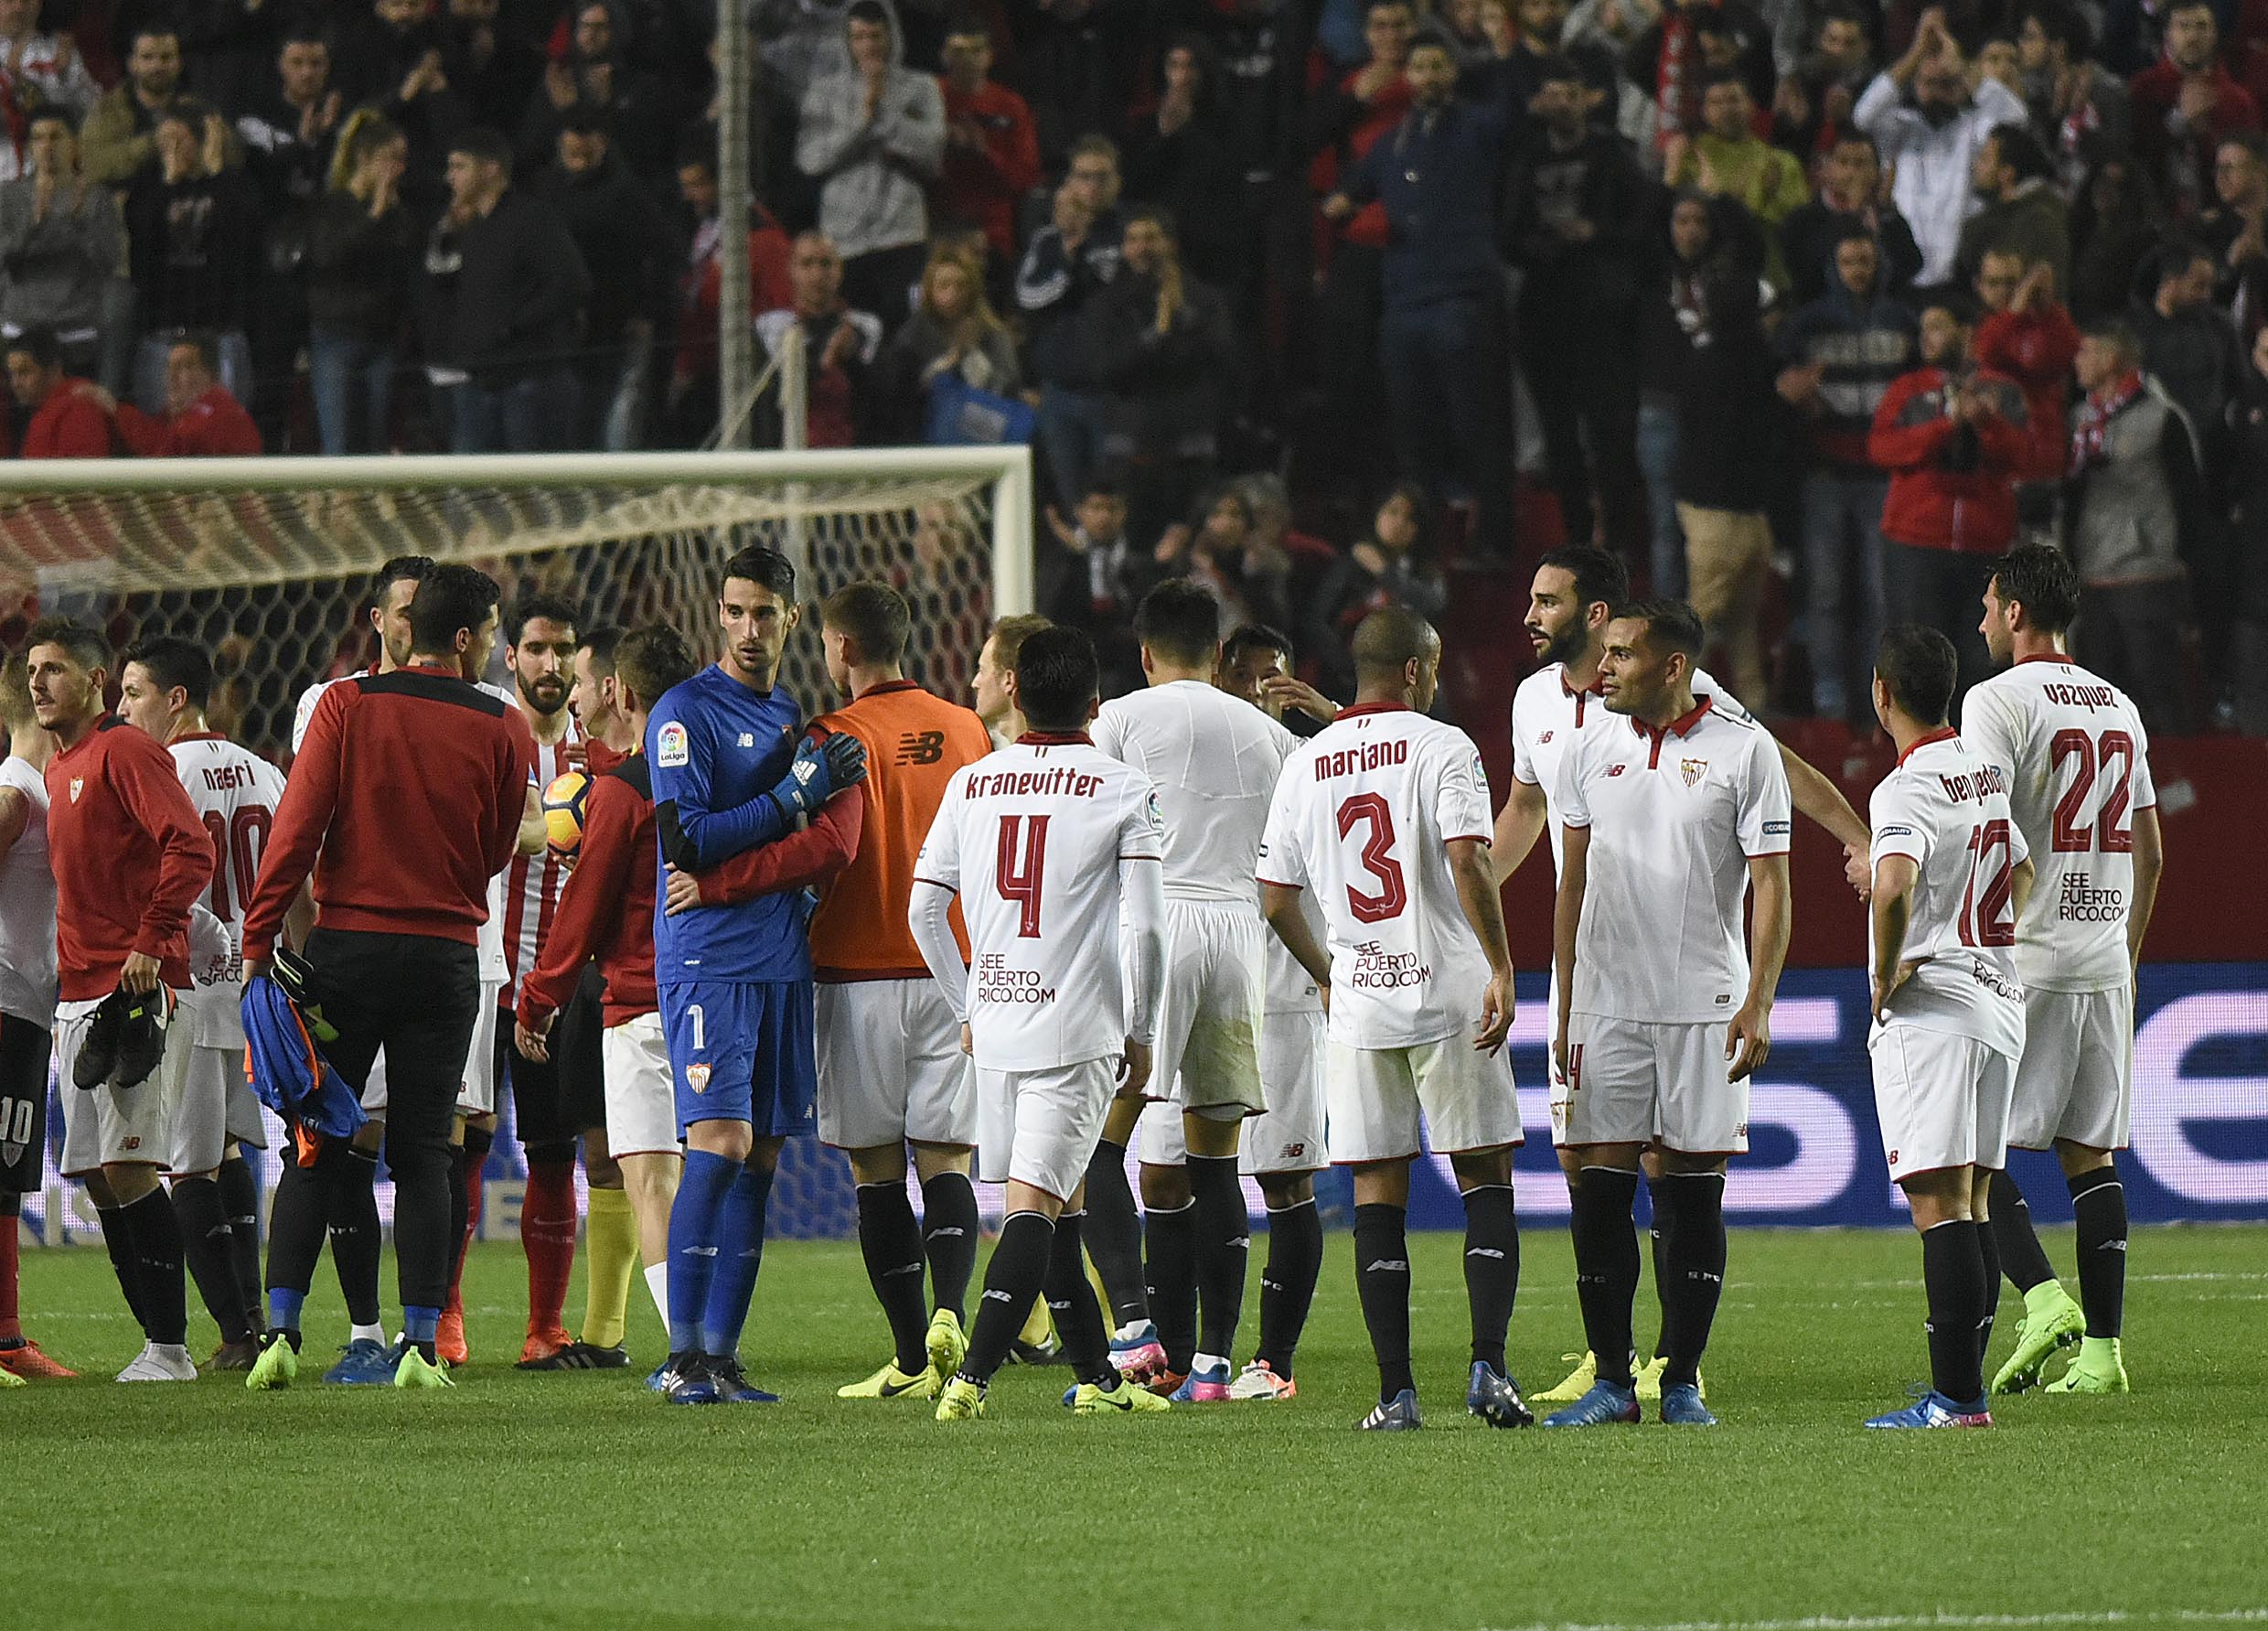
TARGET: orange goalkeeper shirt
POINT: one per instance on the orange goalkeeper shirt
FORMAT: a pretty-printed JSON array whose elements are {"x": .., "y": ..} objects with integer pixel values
[{"x": 914, "y": 742}]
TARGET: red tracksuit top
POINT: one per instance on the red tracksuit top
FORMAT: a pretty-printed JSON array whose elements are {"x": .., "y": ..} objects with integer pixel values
[
  {"x": 606, "y": 908},
  {"x": 131, "y": 856},
  {"x": 405, "y": 800}
]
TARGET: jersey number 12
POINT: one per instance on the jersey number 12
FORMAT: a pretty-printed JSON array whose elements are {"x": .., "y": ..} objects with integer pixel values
[{"x": 1986, "y": 917}]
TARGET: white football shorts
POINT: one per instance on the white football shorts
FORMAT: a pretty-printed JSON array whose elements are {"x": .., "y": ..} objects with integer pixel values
[
  {"x": 478, "y": 1094},
  {"x": 2076, "y": 1080},
  {"x": 641, "y": 1103},
  {"x": 891, "y": 1065},
  {"x": 1208, "y": 1053},
  {"x": 1942, "y": 1099},
  {"x": 108, "y": 1127},
  {"x": 1630, "y": 1083},
  {"x": 1374, "y": 1098},
  {"x": 1040, "y": 1127}
]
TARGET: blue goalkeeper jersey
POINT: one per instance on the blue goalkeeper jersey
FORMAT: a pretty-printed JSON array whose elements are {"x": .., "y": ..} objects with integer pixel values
[{"x": 716, "y": 748}]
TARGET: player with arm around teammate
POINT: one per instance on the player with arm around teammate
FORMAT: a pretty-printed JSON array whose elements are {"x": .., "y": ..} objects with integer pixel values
[
  {"x": 2077, "y": 760},
  {"x": 1670, "y": 816},
  {"x": 1384, "y": 816},
  {"x": 1951, "y": 874},
  {"x": 1054, "y": 850}
]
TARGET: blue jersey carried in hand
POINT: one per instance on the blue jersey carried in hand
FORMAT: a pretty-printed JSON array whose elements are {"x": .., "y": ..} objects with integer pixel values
[{"x": 716, "y": 748}]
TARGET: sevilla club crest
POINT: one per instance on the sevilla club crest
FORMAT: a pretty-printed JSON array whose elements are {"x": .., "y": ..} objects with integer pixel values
[
  {"x": 77, "y": 782},
  {"x": 1695, "y": 770},
  {"x": 696, "y": 1078}
]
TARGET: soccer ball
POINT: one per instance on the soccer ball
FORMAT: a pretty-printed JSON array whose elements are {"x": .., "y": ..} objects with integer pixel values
[{"x": 563, "y": 802}]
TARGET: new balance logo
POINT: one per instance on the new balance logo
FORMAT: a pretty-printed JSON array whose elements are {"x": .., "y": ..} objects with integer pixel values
[
  {"x": 699, "y": 1251},
  {"x": 1483, "y": 1251},
  {"x": 1387, "y": 1265},
  {"x": 902, "y": 1269},
  {"x": 992, "y": 1296},
  {"x": 921, "y": 747}
]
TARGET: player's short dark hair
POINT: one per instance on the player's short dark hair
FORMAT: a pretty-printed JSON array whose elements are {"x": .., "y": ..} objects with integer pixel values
[
  {"x": 765, "y": 568},
  {"x": 1390, "y": 637},
  {"x": 1056, "y": 678},
  {"x": 1010, "y": 633},
  {"x": 40, "y": 342},
  {"x": 2041, "y": 578},
  {"x": 551, "y": 609},
  {"x": 1598, "y": 573},
  {"x": 650, "y": 659},
  {"x": 1181, "y": 619},
  {"x": 172, "y": 661},
  {"x": 449, "y": 599},
  {"x": 414, "y": 569},
  {"x": 874, "y": 616},
  {"x": 1255, "y": 637},
  {"x": 1919, "y": 668},
  {"x": 86, "y": 647},
  {"x": 1671, "y": 626},
  {"x": 601, "y": 643},
  {"x": 483, "y": 142}
]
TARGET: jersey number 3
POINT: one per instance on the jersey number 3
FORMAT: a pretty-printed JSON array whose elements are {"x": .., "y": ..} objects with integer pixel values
[
  {"x": 1021, "y": 868},
  {"x": 1372, "y": 810}
]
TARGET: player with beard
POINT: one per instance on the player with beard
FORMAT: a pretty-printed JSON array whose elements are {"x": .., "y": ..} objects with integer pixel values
[{"x": 1569, "y": 603}]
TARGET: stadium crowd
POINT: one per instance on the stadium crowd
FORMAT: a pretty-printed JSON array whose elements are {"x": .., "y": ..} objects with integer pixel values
[{"x": 1808, "y": 308}]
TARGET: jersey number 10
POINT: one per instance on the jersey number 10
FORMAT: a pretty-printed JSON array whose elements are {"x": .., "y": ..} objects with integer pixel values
[{"x": 238, "y": 842}]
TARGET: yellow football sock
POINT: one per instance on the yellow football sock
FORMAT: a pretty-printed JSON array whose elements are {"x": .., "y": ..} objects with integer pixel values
[
  {"x": 610, "y": 1254},
  {"x": 1038, "y": 1325}
]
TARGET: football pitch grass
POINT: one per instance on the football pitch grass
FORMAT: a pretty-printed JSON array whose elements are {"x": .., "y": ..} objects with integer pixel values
[{"x": 580, "y": 1501}]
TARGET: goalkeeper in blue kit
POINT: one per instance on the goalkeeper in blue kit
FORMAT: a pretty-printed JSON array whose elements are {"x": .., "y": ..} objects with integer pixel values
[{"x": 732, "y": 771}]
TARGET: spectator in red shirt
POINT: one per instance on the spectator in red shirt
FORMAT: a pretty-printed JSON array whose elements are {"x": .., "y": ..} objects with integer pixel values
[
  {"x": 68, "y": 420},
  {"x": 991, "y": 146},
  {"x": 2028, "y": 336},
  {"x": 1953, "y": 436},
  {"x": 2185, "y": 104},
  {"x": 202, "y": 419},
  {"x": 692, "y": 407}
]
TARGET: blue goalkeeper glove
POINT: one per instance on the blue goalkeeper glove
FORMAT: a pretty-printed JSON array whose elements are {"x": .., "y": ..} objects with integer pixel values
[{"x": 821, "y": 770}]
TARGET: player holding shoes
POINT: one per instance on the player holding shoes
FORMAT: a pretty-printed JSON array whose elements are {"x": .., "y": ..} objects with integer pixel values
[
  {"x": 131, "y": 858},
  {"x": 1575, "y": 590},
  {"x": 1053, "y": 849},
  {"x": 164, "y": 692},
  {"x": 1213, "y": 759},
  {"x": 26, "y": 999},
  {"x": 731, "y": 773},
  {"x": 1384, "y": 816},
  {"x": 1951, "y": 877},
  {"x": 1668, "y": 820},
  {"x": 1283, "y": 1150},
  {"x": 607, "y": 912},
  {"x": 2077, "y": 761}
]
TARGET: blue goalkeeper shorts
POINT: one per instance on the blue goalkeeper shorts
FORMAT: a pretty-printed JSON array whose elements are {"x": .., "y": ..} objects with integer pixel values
[{"x": 743, "y": 1052}]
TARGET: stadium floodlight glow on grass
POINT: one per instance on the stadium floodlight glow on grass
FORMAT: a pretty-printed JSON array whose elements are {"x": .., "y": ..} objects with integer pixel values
[{"x": 266, "y": 561}]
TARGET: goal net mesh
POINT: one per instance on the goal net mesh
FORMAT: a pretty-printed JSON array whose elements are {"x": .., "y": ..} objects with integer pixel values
[{"x": 275, "y": 580}]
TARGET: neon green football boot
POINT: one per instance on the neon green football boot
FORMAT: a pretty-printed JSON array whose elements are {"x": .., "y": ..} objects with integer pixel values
[
  {"x": 1578, "y": 1380},
  {"x": 2101, "y": 1367},
  {"x": 277, "y": 1366},
  {"x": 413, "y": 1369},
  {"x": 890, "y": 1382},
  {"x": 948, "y": 1345},
  {"x": 2051, "y": 1321},
  {"x": 962, "y": 1401}
]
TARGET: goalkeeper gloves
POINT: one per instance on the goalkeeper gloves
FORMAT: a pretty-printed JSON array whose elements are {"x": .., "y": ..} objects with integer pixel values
[{"x": 821, "y": 770}]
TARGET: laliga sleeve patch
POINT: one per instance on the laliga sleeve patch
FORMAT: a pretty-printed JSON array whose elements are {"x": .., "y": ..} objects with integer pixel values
[{"x": 670, "y": 750}]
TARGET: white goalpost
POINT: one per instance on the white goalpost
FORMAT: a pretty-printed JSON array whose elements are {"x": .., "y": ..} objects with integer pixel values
[{"x": 266, "y": 561}]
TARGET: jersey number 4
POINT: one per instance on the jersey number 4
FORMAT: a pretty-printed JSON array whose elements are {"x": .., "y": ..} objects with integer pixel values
[
  {"x": 1021, "y": 867},
  {"x": 2111, "y": 757},
  {"x": 1986, "y": 917},
  {"x": 238, "y": 842},
  {"x": 1371, "y": 811}
]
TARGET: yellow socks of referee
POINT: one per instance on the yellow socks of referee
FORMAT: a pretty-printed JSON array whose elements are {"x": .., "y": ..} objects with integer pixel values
[{"x": 610, "y": 1254}]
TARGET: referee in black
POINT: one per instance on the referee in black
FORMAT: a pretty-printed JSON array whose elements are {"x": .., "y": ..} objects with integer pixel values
[{"x": 405, "y": 800}]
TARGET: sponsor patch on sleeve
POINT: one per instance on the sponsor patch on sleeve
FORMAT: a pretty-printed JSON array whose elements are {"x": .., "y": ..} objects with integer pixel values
[
  {"x": 1776, "y": 829},
  {"x": 670, "y": 750},
  {"x": 1895, "y": 829}
]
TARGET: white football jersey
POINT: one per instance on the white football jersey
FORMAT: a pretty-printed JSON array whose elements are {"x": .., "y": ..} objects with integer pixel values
[
  {"x": 1547, "y": 718},
  {"x": 1363, "y": 820},
  {"x": 2077, "y": 762},
  {"x": 309, "y": 698},
  {"x": 1946, "y": 809},
  {"x": 236, "y": 792},
  {"x": 1675, "y": 816},
  {"x": 1214, "y": 760},
  {"x": 1291, "y": 988},
  {"x": 1032, "y": 837},
  {"x": 27, "y": 907}
]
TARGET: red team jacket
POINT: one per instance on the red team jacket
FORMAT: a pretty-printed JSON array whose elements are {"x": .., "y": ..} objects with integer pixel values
[
  {"x": 2035, "y": 349},
  {"x": 1934, "y": 503},
  {"x": 131, "y": 856},
  {"x": 213, "y": 426},
  {"x": 982, "y": 185},
  {"x": 69, "y": 424},
  {"x": 606, "y": 909},
  {"x": 405, "y": 800}
]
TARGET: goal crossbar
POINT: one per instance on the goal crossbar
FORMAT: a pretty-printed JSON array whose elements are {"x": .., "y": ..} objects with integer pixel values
[{"x": 157, "y": 524}]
